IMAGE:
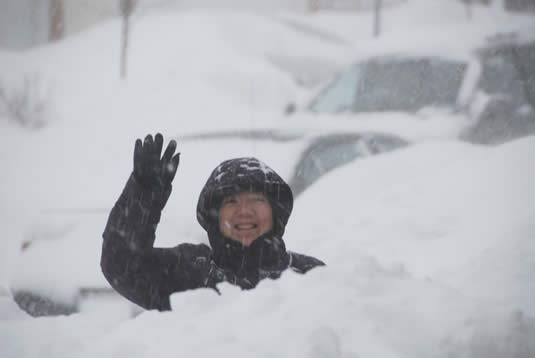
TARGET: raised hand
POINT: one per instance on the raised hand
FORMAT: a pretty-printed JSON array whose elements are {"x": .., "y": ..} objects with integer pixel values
[{"x": 149, "y": 169}]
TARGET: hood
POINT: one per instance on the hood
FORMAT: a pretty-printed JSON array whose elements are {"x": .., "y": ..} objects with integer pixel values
[{"x": 232, "y": 177}]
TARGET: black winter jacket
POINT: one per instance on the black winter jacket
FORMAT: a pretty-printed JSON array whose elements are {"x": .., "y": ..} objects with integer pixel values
[{"x": 147, "y": 275}]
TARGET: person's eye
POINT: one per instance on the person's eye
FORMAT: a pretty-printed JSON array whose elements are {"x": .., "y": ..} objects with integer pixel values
[
  {"x": 260, "y": 198},
  {"x": 230, "y": 200}
]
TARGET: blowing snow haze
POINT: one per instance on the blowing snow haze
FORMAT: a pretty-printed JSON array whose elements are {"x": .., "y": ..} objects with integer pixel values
[{"x": 423, "y": 216}]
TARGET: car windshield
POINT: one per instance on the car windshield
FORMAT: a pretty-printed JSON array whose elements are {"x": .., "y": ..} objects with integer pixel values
[
  {"x": 393, "y": 84},
  {"x": 340, "y": 94}
]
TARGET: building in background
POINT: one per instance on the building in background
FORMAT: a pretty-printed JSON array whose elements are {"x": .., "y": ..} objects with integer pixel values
[
  {"x": 23, "y": 23},
  {"x": 27, "y": 23}
]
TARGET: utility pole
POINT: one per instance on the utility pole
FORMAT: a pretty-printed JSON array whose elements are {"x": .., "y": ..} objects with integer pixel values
[
  {"x": 55, "y": 15},
  {"x": 468, "y": 8},
  {"x": 377, "y": 18},
  {"x": 313, "y": 5},
  {"x": 126, "y": 7}
]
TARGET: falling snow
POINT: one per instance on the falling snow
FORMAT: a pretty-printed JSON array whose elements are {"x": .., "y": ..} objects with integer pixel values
[{"x": 429, "y": 249}]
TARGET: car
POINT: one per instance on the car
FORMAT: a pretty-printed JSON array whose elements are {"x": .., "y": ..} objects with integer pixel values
[
  {"x": 492, "y": 87},
  {"x": 319, "y": 151},
  {"x": 44, "y": 281}
]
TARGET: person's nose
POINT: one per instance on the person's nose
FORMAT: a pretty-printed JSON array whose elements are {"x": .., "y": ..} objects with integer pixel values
[{"x": 244, "y": 208}]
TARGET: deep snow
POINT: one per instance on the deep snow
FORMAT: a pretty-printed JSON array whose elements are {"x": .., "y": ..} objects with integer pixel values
[
  {"x": 429, "y": 255},
  {"x": 429, "y": 248}
]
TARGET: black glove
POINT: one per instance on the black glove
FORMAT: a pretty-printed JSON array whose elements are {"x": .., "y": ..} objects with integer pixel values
[{"x": 149, "y": 170}]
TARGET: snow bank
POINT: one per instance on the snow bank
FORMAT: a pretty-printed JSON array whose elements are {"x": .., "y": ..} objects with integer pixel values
[
  {"x": 9, "y": 310},
  {"x": 199, "y": 64},
  {"x": 188, "y": 71},
  {"x": 52, "y": 337},
  {"x": 405, "y": 218},
  {"x": 447, "y": 210}
]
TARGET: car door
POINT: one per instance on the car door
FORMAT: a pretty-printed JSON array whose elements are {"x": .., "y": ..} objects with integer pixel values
[{"x": 508, "y": 84}]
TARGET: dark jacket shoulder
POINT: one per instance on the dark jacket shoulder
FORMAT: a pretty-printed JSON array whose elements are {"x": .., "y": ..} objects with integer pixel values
[{"x": 303, "y": 263}]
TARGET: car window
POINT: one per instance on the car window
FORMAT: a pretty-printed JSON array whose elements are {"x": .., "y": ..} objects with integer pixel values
[
  {"x": 500, "y": 77},
  {"x": 409, "y": 84},
  {"x": 328, "y": 153},
  {"x": 339, "y": 95},
  {"x": 321, "y": 157},
  {"x": 393, "y": 84}
]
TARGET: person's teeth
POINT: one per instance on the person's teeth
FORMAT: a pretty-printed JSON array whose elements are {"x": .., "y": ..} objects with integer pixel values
[{"x": 245, "y": 226}]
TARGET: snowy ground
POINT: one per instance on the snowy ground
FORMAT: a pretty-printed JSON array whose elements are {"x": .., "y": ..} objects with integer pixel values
[
  {"x": 429, "y": 249},
  {"x": 429, "y": 255}
]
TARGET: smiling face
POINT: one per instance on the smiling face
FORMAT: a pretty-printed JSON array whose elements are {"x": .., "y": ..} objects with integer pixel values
[{"x": 245, "y": 216}]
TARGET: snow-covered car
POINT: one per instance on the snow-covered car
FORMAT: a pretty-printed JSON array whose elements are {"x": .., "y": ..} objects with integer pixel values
[
  {"x": 58, "y": 272},
  {"x": 492, "y": 87}
]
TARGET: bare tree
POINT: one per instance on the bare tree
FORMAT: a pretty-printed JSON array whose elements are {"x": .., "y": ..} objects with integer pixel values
[
  {"x": 24, "y": 103},
  {"x": 126, "y": 7}
]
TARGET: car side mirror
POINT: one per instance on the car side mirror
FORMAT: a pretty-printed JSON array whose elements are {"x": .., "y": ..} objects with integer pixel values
[{"x": 290, "y": 108}]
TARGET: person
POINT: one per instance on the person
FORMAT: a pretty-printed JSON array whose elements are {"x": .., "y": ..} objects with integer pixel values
[{"x": 244, "y": 207}]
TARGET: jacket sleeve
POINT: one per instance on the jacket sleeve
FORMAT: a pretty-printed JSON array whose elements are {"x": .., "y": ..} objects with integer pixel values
[{"x": 143, "y": 274}]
